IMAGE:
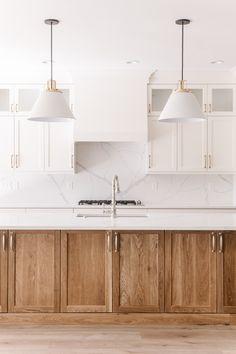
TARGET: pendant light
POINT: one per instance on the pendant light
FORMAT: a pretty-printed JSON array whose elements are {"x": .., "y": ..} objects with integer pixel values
[
  {"x": 182, "y": 105},
  {"x": 51, "y": 105}
]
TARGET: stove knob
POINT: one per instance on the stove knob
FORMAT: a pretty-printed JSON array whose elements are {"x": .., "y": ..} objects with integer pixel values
[{"x": 139, "y": 202}]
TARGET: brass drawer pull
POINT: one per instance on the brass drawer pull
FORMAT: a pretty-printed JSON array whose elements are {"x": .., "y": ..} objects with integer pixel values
[
  {"x": 116, "y": 242},
  {"x": 220, "y": 242},
  {"x": 213, "y": 242}
]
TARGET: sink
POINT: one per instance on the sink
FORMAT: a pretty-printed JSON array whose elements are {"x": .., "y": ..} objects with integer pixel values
[{"x": 118, "y": 216}]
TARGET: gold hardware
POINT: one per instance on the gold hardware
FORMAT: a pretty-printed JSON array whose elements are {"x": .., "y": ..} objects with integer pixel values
[
  {"x": 210, "y": 107},
  {"x": 12, "y": 107},
  {"x": 149, "y": 108},
  {"x": 149, "y": 161},
  {"x": 220, "y": 242},
  {"x": 181, "y": 87},
  {"x": 17, "y": 161},
  {"x": 109, "y": 241},
  {"x": 72, "y": 161},
  {"x": 52, "y": 86},
  {"x": 12, "y": 161},
  {"x": 4, "y": 241},
  {"x": 210, "y": 161},
  {"x": 116, "y": 242},
  {"x": 205, "y": 161},
  {"x": 213, "y": 242},
  {"x": 17, "y": 108},
  {"x": 205, "y": 108},
  {"x": 11, "y": 234}
]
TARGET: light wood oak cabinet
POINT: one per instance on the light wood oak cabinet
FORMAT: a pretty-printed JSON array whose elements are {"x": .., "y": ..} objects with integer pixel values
[
  {"x": 3, "y": 271},
  {"x": 138, "y": 271},
  {"x": 86, "y": 268},
  {"x": 190, "y": 272},
  {"x": 34, "y": 271}
]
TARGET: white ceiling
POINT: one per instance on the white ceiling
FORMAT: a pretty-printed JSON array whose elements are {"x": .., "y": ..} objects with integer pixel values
[{"x": 107, "y": 33}]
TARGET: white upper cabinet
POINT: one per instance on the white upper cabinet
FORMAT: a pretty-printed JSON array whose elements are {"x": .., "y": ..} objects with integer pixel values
[
  {"x": 6, "y": 100},
  {"x": 222, "y": 144},
  {"x": 162, "y": 146},
  {"x": 192, "y": 146},
  {"x": 157, "y": 97},
  {"x": 222, "y": 100},
  {"x": 29, "y": 145},
  {"x": 59, "y": 147},
  {"x": 7, "y": 157},
  {"x": 25, "y": 98}
]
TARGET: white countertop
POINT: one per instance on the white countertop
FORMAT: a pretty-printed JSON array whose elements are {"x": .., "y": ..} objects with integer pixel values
[{"x": 166, "y": 220}]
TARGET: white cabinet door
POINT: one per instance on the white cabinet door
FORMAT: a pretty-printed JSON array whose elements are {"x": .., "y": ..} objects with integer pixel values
[
  {"x": 222, "y": 100},
  {"x": 157, "y": 97},
  {"x": 6, "y": 100},
  {"x": 222, "y": 144},
  {"x": 200, "y": 92},
  {"x": 6, "y": 143},
  {"x": 29, "y": 145},
  {"x": 25, "y": 98},
  {"x": 60, "y": 147},
  {"x": 162, "y": 146},
  {"x": 192, "y": 146}
]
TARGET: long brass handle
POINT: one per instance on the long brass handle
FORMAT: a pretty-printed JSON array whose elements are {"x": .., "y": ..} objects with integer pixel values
[
  {"x": 220, "y": 242},
  {"x": 116, "y": 242},
  {"x": 149, "y": 108},
  {"x": 12, "y": 107},
  {"x": 205, "y": 161},
  {"x": 213, "y": 242},
  {"x": 4, "y": 241},
  {"x": 109, "y": 241},
  {"x": 72, "y": 161},
  {"x": 205, "y": 108},
  {"x": 210, "y": 161},
  {"x": 12, "y": 161},
  {"x": 17, "y": 161},
  {"x": 149, "y": 161},
  {"x": 210, "y": 108},
  {"x": 17, "y": 107},
  {"x": 11, "y": 234}
]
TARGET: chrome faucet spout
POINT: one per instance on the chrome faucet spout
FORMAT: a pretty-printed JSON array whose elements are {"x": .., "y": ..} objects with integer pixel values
[{"x": 115, "y": 189}]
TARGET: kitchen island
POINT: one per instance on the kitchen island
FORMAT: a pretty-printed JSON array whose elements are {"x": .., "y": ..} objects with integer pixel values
[{"x": 141, "y": 267}]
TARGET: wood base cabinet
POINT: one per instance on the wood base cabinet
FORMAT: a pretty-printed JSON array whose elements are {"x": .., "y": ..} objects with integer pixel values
[
  {"x": 86, "y": 271},
  {"x": 3, "y": 271},
  {"x": 190, "y": 272},
  {"x": 138, "y": 271}
]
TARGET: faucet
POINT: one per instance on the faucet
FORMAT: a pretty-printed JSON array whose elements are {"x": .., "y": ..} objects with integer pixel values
[{"x": 115, "y": 189}]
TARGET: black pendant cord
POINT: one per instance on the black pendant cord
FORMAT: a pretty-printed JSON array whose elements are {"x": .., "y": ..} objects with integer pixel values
[
  {"x": 51, "y": 54},
  {"x": 182, "y": 59}
]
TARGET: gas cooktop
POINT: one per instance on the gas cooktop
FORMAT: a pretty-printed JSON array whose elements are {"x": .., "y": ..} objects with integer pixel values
[{"x": 108, "y": 202}]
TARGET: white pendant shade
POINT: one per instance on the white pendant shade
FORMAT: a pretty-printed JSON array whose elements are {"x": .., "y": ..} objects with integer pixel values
[
  {"x": 51, "y": 106},
  {"x": 181, "y": 106}
]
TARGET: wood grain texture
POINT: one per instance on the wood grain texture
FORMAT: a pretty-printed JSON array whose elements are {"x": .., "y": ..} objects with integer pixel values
[
  {"x": 85, "y": 271},
  {"x": 190, "y": 272},
  {"x": 117, "y": 318},
  {"x": 117, "y": 339},
  {"x": 34, "y": 271},
  {"x": 227, "y": 274},
  {"x": 138, "y": 272},
  {"x": 3, "y": 270}
]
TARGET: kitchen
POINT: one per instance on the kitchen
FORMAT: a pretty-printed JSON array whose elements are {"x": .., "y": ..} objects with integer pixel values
[{"x": 117, "y": 183}]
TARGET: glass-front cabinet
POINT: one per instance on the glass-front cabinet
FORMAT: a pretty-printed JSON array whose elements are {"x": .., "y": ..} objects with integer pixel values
[{"x": 222, "y": 100}]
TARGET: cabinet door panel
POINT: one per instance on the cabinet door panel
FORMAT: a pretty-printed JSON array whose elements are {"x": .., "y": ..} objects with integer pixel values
[
  {"x": 227, "y": 274},
  {"x": 6, "y": 143},
  {"x": 3, "y": 271},
  {"x": 86, "y": 272},
  {"x": 190, "y": 271},
  {"x": 192, "y": 146},
  {"x": 25, "y": 97},
  {"x": 162, "y": 146},
  {"x": 34, "y": 271},
  {"x": 222, "y": 144},
  {"x": 29, "y": 145},
  {"x": 138, "y": 272},
  {"x": 222, "y": 100}
]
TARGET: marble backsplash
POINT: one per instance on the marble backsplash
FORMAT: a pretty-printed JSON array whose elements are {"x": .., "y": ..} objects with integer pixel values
[{"x": 96, "y": 163}]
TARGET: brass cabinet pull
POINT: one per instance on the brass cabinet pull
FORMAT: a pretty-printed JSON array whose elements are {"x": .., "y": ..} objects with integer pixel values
[
  {"x": 12, "y": 161},
  {"x": 210, "y": 161},
  {"x": 205, "y": 108},
  {"x": 210, "y": 108},
  {"x": 17, "y": 161},
  {"x": 11, "y": 234},
  {"x": 205, "y": 161},
  {"x": 109, "y": 241},
  {"x": 220, "y": 242},
  {"x": 213, "y": 242},
  {"x": 149, "y": 161},
  {"x": 17, "y": 107},
  {"x": 4, "y": 241},
  {"x": 12, "y": 107},
  {"x": 116, "y": 242},
  {"x": 149, "y": 108},
  {"x": 72, "y": 161}
]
